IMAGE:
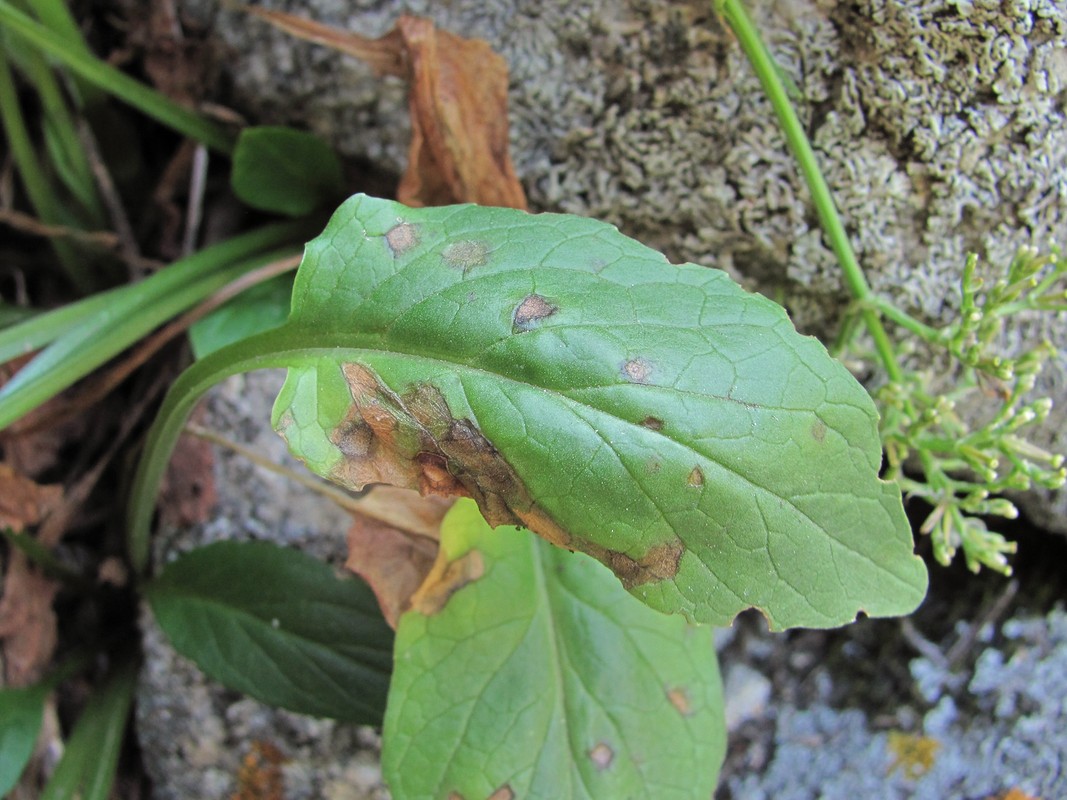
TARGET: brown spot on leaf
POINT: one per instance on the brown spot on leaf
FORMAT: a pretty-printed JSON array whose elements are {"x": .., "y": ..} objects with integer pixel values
[
  {"x": 652, "y": 423},
  {"x": 445, "y": 579},
  {"x": 696, "y": 478},
  {"x": 402, "y": 238},
  {"x": 413, "y": 441},
  {"x": 679, "y": 698},
  {"x": 530, "y": 311},
  {"x": 601, "y": 756},
  {"x": 505, "y": 792},
  {"x": 466, "y": 255},
  {"x": 636, "y": 370},
  {"x": 818, "y": 431}
]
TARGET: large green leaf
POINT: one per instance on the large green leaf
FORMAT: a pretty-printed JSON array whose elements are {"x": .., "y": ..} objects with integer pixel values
[
  {"x": 280, "y": 626},
  {"x": 527, "y": 671},
  {"x": 572, "y": 381}
]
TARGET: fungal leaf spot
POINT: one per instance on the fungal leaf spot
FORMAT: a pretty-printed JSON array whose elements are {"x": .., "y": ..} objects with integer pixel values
[
  {"x": 445, "y": 579},
  {"x": 636, "y": 370},
  {"x": 530, "y": 311},
  {"x": 401, "y": 238},
  {"x": 679, "y": 698},
  {"x": 818, "y": 431},
  {"x": 652, "y": 423},
  {"x": 413, "y": 441},
  {"x": 466, "y": 255},
  {"x": 602, "y": 755},
  {"x": 505, "y": 792},
  {"x": 696, "y": 478}
]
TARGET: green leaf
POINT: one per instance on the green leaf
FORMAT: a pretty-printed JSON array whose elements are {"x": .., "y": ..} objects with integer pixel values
[
  {"x": 571, "y": 380},
  {"x": 257, "y": 309},
  {"x": 280, "y": 626},
  {"x": 21, "y": 714},
  {"x": 529, "y": 668},
  {"x": 285, "y": 171}
]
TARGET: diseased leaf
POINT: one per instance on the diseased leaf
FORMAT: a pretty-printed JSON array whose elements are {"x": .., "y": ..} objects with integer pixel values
[
  {"x": 571, "y": 380},
  {"x": 535, "y": 676},
  {"x": 285, "y": 170},
  {"x": 278, "y": 625}
]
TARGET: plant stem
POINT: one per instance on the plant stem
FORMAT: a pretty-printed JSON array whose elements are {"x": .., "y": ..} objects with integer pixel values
[{"x": 764, "y": 66}]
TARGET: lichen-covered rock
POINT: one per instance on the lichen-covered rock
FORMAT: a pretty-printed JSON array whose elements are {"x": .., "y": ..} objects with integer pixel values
[{"x": 940, "y": 128}]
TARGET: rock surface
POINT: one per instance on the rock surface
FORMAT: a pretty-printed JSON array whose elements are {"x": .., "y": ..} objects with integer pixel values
[{"x": 940, "y": 128}]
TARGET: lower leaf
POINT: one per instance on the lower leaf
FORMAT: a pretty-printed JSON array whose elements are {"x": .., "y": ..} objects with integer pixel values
[
  {"x": 530, "y": 672},
  {"x": 278, "y": 625}
]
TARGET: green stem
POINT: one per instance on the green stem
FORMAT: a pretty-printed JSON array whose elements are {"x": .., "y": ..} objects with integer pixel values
[
  {"x": 764, "y": 66},
  {"x": 121, "y": 85},
  {"x": 275, "y": 348}
]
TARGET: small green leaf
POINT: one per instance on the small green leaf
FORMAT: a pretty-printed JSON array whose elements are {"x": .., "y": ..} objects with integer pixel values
[
  {"x": 21, "y": 713},
  {"x": 285, "y": 171},
  {"x": 280, "y": 626},
  {"x": 531, "y": 669},
  {"x": 571, "y": 380},
  {"x": 259, "y": 308}
]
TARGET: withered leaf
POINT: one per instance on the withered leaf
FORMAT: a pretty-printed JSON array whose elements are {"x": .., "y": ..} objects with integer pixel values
[
  {"x": 394, "y": 556},
  {"x": 458, "y": 105}
]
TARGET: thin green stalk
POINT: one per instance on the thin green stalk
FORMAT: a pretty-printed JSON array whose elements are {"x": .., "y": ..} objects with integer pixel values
[
  {"x": 764, "y": 66},
  {"x": 68, "y": 155},
  {"x": 87, "y": 769},
  {"x": 39, "y": 192},
  {"x": 56, "y": 16},
  {"x": 121, "y": 85}
]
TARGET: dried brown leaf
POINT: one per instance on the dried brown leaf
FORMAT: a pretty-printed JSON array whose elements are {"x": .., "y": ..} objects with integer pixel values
[
  {"x": 458, "y": 105},
  {"x": 27, "y": 622},
  {"x": 395, "y": 555}
]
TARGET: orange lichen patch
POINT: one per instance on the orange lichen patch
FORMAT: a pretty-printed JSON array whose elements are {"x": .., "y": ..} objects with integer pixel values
[
  {"x": 445, "y": 579},
  {"x": 696, "y": 478},
  {"x": 652, "y": 423},
  {"x": 1013, "y": 794},
  {"x": 505, "y": 792},
  {"x": 912, "y": 754},
  {"x": 530, "y": 311},
  {"x": 466, "y": 255},
  {"x": 402, "y": 238},
  {"x": 260, "y": 775},
  {"x": 602, "y": 755},
  {"x": 818, "y": 431},
  {"x": 679, "y": 698},
  {"x": 636, "y": 370}
]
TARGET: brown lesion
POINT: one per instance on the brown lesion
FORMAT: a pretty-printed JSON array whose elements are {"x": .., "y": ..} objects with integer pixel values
[
  {"x": 530, "y": 311},
  {"x": 413, "y": 441},
  {"x": 401, "y": 238},
  {"x": 636, "y": 370}
]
